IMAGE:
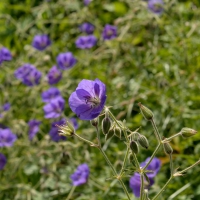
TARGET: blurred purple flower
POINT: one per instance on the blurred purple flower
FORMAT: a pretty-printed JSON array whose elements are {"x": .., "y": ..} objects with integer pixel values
[
  {"x": 87, "y": 28},
  {"x": 28, "y": 74},
  {"x": 54, "y": 75},
  {"x": 109, "y": 32},
  {"x": 156, "y": 6},
  {"x": 88, "y": 100},
  {"x": 66, "y": 60},
  {"x": 86, "y": 2},
  {"x": 134, "y": 182},
  {"x": 50, "y": 94},
  {"x": 1, "y": 58},
  {"x": 41, "y": 42},
  {"x": 33, "y": 128},
  {"x": 5, "y": 54},
  {"x": 81, "y": 175},
  {"x": 7, "y": 138},
  {"x": 6, "y": 106},
  {"x": 86, "y": 42},
  {"x": 54, "y": 108},
  {"x": 74, "y": 122},
  {"x": 3, "y": 161},
  {"x": 54, "y": 133}
]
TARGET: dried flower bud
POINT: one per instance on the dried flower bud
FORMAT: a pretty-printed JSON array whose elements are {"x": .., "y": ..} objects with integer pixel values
[
  {"x": 67, "y": 129},
  {"x": 167, "y": 148},
  {"x": 148, "y": 115},
  {"x": 106, "y": 124},
  {"x": 95, "y": 122},
  {"x": 118, "y": 132},
  {"x": 188, "y": 132},
  {"x": 142, "y": 140},
  {"x": 110, "y": 134},
  {"x": 134, "y": 147}
]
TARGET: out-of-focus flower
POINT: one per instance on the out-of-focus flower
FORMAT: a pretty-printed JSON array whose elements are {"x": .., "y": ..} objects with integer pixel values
[
  {"x": 135, "y": 182},
  {"x": 81, "y": 175},
  {"x": 86, "y": 42},
  {"x": 7, "y": 138},
  {"x": 33, "y": 128},
  {"x": 54, "y": 133},
  {"x": 86, "y": 2},
  {"x": 50, "y": 94},
  {"x": 54, "y": 108},
  {"x": 6, "y": 106},
  {"x": 3, "y": 161},
  {"x": 109, "y": 32},
  {"x": 5, "y": 54},
  {"x": 74, "y": 122},
  {"x": 28, "y": 74},
  {"x": 41, "y": 42},
  {"x": 1, "y": 58},
  {"x": 88, "y": 100},
  {"x": 156, "y": 6},
  {"x": 87, "y": 28},
  {"x": 66, "y": 60},
  {"x": 54, "y": 75}
]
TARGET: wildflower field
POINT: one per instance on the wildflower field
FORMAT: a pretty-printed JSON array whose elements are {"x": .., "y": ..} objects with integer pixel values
[{"x": 99, "y": 99}]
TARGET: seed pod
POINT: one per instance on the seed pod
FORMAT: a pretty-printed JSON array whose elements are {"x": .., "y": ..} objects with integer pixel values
[
  {"x": 142, "y": 140},
  {"x": 95, "y": 122},
  {"x": 118, "y": 132},
  {"x": 134, "y": 147},
  {"x": 147, "y": 114},
  {"x": 167, "y": 148},
  {"x": 188, "y": 132},
  {"x": 110, "y": 134},
  {"x": 106, "y": 124}
]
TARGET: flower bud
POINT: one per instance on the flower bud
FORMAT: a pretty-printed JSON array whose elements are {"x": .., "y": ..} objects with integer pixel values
[
  {"x": 134, "y": 147},
  {"x": 167, "y": 148},
  {"x": 142, "y": 140},
  {"x": 118, "y": 132},
  {"x": 67, "y": 129},
  {"x": 147, "y": 114},
  {"x": 188, "y": 132},
  {"x": 95, "y": 122},
  {"x": 109, "y": 134},
  {"x": 106, "y": 124}
]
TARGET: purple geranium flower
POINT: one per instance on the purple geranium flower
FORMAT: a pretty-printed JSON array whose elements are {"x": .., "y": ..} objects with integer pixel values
[
  {"x": 81, "y": 175},
  {"x": 109, "y": 32},
  {"x": 87, "y": 28},
  {"x": 54, "y": 75},
  {"x": 5, "y": 54},
  {"x": 86, "y": 2},
  {"x": 7, "y": 138},
  {"x": 41, "y": 42},
  {"x": 134, "y": 182},
  {"x": 3, "y": 161},
  {"x": 28, "y": 74},
  {"x": 86, "y": 42},
  {"x": 50, "y": 94},
  {"x": 156, "y": 6},
  {"x": 6, "y": 106},
  {"x": 66, "y": 60},
  {"x": 54, "y": 132},
  {"x": 88, "y": 100},
  {"x": 54, "y": 108},
  {"x": 33, "y": 128}
]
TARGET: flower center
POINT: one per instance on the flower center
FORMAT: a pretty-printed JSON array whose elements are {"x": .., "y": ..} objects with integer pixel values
[{"x": 93, "y": 101}]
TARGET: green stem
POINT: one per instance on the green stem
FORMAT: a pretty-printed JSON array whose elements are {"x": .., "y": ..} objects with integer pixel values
[
  {"x": 170, "y": 138},
  {"x": 171, "y": 164},
  {"x": 90, "y": 143},
  {"x": 157, "y": 134},
  {"x": 98, "y": 137},
  {"x": 124, "y": 162},
  {"x": 142, "y": 186},
  {"x": 71, "y": 193},
  {"x": 196, "y": 163}
]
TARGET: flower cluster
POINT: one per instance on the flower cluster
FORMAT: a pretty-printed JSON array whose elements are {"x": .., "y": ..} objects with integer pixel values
[
  {"x": 81, "y": 175},
  {"x": 28, "y": 74},
  {"x": 135, "y": 182},
  {"x": 5, "y": 55}
]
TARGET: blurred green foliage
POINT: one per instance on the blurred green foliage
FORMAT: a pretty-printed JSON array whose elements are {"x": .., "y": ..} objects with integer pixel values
[{"x": 154, "y": 60}]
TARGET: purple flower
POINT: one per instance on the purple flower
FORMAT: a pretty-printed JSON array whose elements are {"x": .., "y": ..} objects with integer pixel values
[
  {"x": 66, "y": 60},
  {"x": 88, "y": 100},
  {"x": 134, "y": 182},
  {"x": 54, "y": 75},
  {"x": 74, "y": 122},
  {"x": 109, "y": 32},
  {"x": 41, "y": 42},
  {"x": 5, "y": 54},
  {"x": 1, "y": 58},
  {"x": 86, "y": 42},
  {"x": 50, "y": 94},
  {"x": 6, "y": 107},
  {"x": 54, "y": 133},
  {"x": 156, "y": 6},
  {"x": 86, "y": 2},
  {"x": 7, "y": 138},
  {"x": 28, "y": 74},
  {"x": 81, "y": 175},
  {"x": 87, "y": 28},
  {"x": 54, "y": 108},
  {"x": 33, "y": 128},
  {"x": 2, "y": 161}
]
